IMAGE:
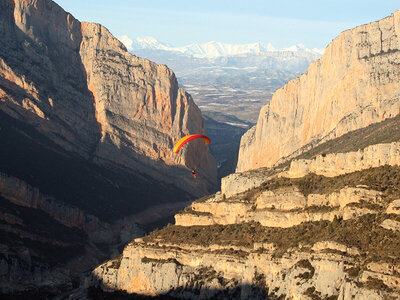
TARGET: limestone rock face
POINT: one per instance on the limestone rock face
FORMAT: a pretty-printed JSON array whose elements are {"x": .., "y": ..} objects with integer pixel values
[
  {"x": 42, "y": 79},
  {"x": 178, "y": 262},
  {"x": 394, "y": 207},
  {"x": 140, "y": 109},
  {"x": 77, "y": 84},
  {"x": 239, "y": 182},
  {"x": 22, "y": 194},
  {"x": 354, "y": 84},
  {"x": 154, "y": 270},
  {"x": 335, "y": 164},
  {"x": 391, "y": 225}
]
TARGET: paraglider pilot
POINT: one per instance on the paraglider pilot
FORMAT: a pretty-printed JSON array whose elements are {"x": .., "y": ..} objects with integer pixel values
[{"x": 189, "y": 138}]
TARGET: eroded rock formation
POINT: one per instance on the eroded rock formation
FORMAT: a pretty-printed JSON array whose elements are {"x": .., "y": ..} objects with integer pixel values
[{"x": 335, "y": 164}]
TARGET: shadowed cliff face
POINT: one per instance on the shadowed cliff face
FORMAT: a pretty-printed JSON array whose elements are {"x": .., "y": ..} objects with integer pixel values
[
  {"x": 77, "y": 84},
  {"x": 354, "y": 84},
  {"x": 42, "y": 78},
  {"x": 86, "y": 135}
]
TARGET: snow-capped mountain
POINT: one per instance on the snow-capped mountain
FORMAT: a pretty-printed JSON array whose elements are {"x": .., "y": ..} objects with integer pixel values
[
  {"x": 211, "y": 49},
  {"x": 216, "y": 49},
  {"x": 143, "y": 43}
]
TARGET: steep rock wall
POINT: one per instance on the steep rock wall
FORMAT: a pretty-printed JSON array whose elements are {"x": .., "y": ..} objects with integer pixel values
[
  {"x": 354, "y": 84},
  {"x": 79, "y": 86},
  {"x": 22, "y": 194}
]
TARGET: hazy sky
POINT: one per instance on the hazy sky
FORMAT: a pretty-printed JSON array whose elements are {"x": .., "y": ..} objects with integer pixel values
[{"x": 180, "y": 22}]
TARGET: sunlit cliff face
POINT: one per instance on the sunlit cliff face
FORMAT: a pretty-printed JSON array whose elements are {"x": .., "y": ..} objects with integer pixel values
[{"x": 354, "y": 84}]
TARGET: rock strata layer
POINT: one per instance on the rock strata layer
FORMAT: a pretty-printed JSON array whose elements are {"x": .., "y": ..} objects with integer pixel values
[
  {"x": 335, "y": 164},
  {"x": 284, "y": 207}
]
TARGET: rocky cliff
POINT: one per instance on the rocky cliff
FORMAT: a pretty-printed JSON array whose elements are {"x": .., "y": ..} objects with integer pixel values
[
  {"x": 86, "y": 135},
  {"x": 354, "y": 84},
  {"x": 77, "y": 85}
]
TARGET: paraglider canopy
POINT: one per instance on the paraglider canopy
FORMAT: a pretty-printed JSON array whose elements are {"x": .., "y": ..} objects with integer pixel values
[{"x": 189, "y": 138}]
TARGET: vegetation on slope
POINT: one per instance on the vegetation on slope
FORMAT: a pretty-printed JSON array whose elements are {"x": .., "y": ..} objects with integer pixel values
[
  {"x": 375, "y": 243},
  {"x": 364, "y": 232},
  {"x": 385, "y": 179}
]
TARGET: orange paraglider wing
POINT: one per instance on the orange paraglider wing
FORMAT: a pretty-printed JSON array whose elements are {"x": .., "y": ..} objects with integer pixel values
[{"x": 189, "y": 138}]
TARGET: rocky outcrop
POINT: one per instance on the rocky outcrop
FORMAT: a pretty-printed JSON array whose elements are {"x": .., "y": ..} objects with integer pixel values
[
  {"x": 22, "y": 194},
  {"x": 354, "y": 84},
  {"x": 391, "y": 225},
  {"x": 146, "y": 265},
  {"x": 335, "y": 164},
  {"x": 281, "y": 239},
  {"x": 240, "y": 182},
  {"x": 304, "y": 238},
  {"x": 76, "y": 84},
  {"x": 394, "y": 207}
]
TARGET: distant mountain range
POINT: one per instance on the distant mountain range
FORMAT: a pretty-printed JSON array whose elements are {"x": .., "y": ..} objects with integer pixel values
[
  {"x": 212, "y": 49},
  {"x": 235, "y": 80}
]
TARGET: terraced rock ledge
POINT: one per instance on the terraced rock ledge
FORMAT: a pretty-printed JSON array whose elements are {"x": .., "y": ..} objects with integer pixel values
[{"x": 312, "y": 237}]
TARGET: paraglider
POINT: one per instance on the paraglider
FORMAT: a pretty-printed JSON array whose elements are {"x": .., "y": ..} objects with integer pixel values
[{"x": 187, "y": 139}]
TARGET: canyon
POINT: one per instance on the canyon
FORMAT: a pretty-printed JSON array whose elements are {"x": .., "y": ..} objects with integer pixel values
[
  {"x": 87, "y": 173},
  {"x": 312, "y": 211}
]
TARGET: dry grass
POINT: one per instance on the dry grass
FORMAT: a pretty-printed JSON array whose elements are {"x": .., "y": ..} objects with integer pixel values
[
  {"x": 385, "y": 179},
  {"x": 374, "y": 242},
  {"x": 387, "y": 131}
]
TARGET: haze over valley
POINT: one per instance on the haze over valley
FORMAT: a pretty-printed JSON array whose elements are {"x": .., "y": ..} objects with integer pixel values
[
  {"x": 228, "y": 170},
  {"x": 229, "y": 83},
  {"x": 233, "y": 80}
]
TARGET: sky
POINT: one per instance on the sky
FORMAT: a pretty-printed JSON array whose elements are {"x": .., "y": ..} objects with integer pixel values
[{"x": 283, "y": 23}]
